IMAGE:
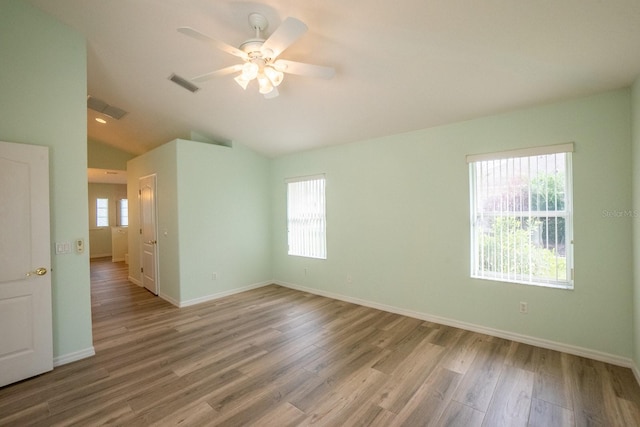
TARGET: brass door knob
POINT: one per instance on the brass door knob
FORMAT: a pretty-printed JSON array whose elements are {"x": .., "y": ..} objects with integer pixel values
[{"x": 40, "y": 271}]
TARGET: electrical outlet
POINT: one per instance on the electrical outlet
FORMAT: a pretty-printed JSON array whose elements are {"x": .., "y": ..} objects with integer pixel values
[
  {"x": 524, "y": 307},
  {"x": 214, "y": 276},
  {"x": 349, "y": 278}
]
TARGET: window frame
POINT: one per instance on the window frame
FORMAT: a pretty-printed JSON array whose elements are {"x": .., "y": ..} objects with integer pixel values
[
  {"x": 317, "y": 249},
  {"x": 99, "y": 209},
  {"x": 567, "y": 213},
  {"x": 122, "y": 205}
]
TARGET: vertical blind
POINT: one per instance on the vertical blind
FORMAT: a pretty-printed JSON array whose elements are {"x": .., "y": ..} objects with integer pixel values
[
  {"x": 102, "y": 212},
  {"x": 306, "y": 221},
  {"x": 521, "y": 216}
]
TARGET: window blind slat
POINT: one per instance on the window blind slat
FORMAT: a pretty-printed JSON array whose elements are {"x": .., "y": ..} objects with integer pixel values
[{"x": 306, "y": 216}]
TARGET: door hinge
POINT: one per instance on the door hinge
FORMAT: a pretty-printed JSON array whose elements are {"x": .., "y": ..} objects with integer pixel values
[
  {"x": 141, "y": 231},
  {"x": 141, "y": 270},
  {"x": 139, "y": 192}
]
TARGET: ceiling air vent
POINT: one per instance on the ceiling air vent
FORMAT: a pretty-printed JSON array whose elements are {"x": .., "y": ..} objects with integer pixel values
[
  {"x": 184, "y": 83},
  {"x": 102, "y": 107}
]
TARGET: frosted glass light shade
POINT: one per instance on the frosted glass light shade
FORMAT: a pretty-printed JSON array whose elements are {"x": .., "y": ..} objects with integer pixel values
[{"x": 275, "y": 76}]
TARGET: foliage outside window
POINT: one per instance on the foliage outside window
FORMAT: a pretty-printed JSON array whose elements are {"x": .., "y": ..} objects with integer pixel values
[
  {"x": 102, "y": 212},
  {"x": 521, "y": 220},
  {"x": 306, "y": 217}
]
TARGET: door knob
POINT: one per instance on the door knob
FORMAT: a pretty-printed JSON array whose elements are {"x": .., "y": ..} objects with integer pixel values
[
  {"x": 152, "y": 242},
  {"x": 41, "y": 271}
]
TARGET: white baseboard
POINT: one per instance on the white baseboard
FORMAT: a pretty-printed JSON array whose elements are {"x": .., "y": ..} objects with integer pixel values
[
  {"x": 73, "y": 357},
  {"x": 134, "y": 281},
  {"x": 169, "y": 299},
  {"x": 212, "y": 297},
  {"x": 636, "y": 372},
  {"x": 100, "y": 255},
  {"x": 525, "y": 339}
]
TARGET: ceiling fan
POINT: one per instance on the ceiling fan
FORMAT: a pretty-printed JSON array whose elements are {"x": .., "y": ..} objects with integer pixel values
[{"x": 260, "y": 56}]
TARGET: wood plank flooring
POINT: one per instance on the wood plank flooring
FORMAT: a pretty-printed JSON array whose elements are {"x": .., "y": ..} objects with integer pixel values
[{"x": 280, "y": 357}]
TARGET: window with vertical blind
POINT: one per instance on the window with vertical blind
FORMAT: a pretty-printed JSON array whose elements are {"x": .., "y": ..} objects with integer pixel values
[
  {"x": 521, "y": 216},
  {"x": 306, "y": 216},
  {"x": 123, "y": 212},
  {"x": 102, "y": 212}
]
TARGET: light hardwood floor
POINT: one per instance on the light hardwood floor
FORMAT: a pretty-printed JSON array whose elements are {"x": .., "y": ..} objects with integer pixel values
[{"x": 280, "y": 357}]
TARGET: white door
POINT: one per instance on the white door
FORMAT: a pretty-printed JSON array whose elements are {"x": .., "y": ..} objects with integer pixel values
[
  {"x": 26, "y": 346},
  {"x": 149, "y": 233}
]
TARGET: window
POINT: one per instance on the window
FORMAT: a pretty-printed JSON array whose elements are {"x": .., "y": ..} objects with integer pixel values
[
  {"x": 306, "y": 223},
  {"x": 521, "y": 219},
  {"x": 123, "y": 212},
  {"x": 102, "y": 212}
]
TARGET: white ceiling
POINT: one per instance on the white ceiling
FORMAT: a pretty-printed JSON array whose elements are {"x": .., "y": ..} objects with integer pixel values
[{"x": 401, "y": 66}]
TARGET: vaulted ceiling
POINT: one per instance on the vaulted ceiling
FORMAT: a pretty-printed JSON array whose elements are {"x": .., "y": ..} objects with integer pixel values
[{"x": 400, "y": 66}]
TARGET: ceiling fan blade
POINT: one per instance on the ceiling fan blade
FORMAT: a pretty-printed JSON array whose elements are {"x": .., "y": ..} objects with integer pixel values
[
  {"x": 274, "y": 93},
  {"x": 188, "y": 31},
  {"x": 303, "y": 69},
  {"x": 288, "y": 32},
  {"x": 218, "y": 73}
]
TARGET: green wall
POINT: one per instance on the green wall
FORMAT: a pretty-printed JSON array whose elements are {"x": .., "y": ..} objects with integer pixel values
[
  {"x": 43, "y": 101},
  {"x": 398, "y": 224},
  {"x": 635, "y": 111},
  {"x": 223, "y": 208},
  {"x": 213, "y": 217},
  {"x": 163, "y": 163},
  {"x": 103, "y": 156},
  {"x": 397, "y": 206}
]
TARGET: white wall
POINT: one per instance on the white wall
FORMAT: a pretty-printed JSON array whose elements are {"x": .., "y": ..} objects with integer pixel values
[{"x": 398, "y": 225}]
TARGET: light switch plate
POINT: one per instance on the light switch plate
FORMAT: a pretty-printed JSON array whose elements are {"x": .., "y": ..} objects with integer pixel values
[
  {"x": 63, "y": 248},
  {"x": 79, "y": 246}
]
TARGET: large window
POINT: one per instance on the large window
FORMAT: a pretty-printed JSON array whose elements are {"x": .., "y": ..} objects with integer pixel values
[
  {"x": 521, "y": 216},
  {"x": 306, "y": 222},
  {"x": 102, "y": 212}
]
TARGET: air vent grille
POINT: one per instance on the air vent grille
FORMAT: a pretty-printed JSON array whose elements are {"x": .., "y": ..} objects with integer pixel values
[
  {"x": 102, "y": 107},
  {"x": 184, "y": 83}
]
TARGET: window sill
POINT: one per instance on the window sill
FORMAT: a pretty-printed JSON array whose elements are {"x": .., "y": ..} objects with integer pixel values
[{"x": 561, "y": 286}]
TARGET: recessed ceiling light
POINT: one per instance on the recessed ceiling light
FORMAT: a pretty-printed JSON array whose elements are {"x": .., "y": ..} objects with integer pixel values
[{"x": 99, "y": 120}]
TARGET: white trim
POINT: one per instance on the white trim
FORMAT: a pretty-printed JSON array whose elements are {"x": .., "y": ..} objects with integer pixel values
[
  {"x": 134, "y": 281},
  {"x": 73, "y": 357},
  {"x": 636, "y": 372},
  {"x": 525, "y": 339},
  {"x": 218, "y": 295},
  {"x": 169, "y": 299},
  {"x": 305, "y": 178},
  {"x": 92, "y": 256},
  {"x": 522, "y": 152}
]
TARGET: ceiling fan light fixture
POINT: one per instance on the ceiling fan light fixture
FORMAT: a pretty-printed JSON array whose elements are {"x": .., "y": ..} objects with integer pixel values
[
  {"x": 274, "y": 75},
  {"x": 265, "y": 84},
  {"x": 242, "y": 81},
  {"x": 250, "y": 71}
]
